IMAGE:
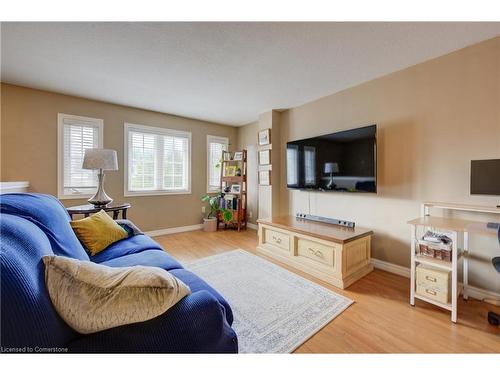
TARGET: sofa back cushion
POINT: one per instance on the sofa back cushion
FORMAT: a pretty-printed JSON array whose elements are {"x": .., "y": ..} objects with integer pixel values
[
  {"x": 28, "y": 317},
  {"x": 50, "y": 216}
]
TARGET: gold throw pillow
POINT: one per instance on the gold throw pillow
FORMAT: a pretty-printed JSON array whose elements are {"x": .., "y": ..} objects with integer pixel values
[
  {"x": 91, "y": 297},
  {"x": 98, "y": 231}
]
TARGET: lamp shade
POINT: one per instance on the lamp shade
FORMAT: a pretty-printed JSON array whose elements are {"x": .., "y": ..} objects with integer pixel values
[
  {"x": 98, "y": 158},
  {"x": 331, "y": 168}
]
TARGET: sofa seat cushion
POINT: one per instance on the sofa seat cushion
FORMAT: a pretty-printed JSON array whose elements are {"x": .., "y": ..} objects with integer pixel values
[
  {"x": 195, "y": 283},
  {"x": 127, "y": 246},
  {"x": 152, "y": 258},
  {"x": 48, "y": 214}
]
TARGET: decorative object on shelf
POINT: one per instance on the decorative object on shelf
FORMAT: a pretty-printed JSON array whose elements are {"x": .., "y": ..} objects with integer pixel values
[
  {"x": 227, "y": 156},
  {"x": 331, "y": 168},
  {"x": 265, "y": 157},
  {"x": 102, "y": 160},
  {"x": 230, "y": 171},
  {"x": 265, "y": 137},
  {"x": 236, "y": 188},
  {"x": 265, "y": 178},
  {"x": 233, "y": 180}
]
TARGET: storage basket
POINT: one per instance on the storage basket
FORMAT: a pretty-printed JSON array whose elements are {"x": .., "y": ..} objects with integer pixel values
[{"x": 435, "y": 250}]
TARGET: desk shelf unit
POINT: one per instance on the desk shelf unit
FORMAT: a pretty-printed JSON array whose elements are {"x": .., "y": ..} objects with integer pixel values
[{"x": 458, "y": 230}]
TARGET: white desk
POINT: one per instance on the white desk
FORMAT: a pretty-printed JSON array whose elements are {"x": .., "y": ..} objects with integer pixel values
[{"x": 457, "y": 228}]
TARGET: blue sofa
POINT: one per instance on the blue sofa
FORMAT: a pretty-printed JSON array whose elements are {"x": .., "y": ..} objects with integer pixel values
[{"x": 34, "y": 225}]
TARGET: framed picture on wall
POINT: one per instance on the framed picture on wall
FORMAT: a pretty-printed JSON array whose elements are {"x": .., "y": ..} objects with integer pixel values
[
  {"x": 264, "y": 177},
  {"x": 265, "y": 157},
  {"x": 265, "y": 137}
]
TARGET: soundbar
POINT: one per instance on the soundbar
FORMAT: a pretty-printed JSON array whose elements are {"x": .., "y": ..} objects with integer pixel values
[{"x": 328, "y": 220}]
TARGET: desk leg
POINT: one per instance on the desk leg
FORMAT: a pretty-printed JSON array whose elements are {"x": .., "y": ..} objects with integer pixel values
[
  {"x": 412, "y": 266},
  {"x": 115, "y": 214},
  {"x": 465, "y": 256},
  {"x": 454, "y": 286}
]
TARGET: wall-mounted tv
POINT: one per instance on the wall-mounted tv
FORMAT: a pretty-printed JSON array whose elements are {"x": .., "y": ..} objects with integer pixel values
[
  {"x": 342, "y": 161},
  {"x": 485, "y": 177}
]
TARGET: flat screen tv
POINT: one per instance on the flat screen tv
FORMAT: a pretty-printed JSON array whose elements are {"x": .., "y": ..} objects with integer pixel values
[
  {"x": 485, "y": 177},
  {"x": 342, "y": 161}
]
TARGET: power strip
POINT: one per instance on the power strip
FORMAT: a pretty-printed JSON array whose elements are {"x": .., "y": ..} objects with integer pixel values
[{"x": 321, "y": 219}]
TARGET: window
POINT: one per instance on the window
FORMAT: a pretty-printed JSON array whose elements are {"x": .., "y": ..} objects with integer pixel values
[
  {"x": 75, "y": 134},
  {"x": 157, "y": 161},
  {"x": 215, "y": 146}
]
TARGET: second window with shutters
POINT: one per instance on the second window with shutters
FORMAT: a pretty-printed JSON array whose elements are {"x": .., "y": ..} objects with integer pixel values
[
  {"x": 157, "y": 161},
  {"x": 215, "y": 146}
]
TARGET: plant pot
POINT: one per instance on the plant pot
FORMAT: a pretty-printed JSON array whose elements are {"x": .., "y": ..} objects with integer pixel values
[{"x": 210, "y": 225}]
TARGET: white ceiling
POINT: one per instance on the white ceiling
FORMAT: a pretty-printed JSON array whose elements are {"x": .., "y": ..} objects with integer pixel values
[{"x": 223, "y": 72}]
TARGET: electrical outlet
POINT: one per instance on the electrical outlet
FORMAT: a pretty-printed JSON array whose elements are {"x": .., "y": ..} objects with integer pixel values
[{"x": 203, "y": 209}]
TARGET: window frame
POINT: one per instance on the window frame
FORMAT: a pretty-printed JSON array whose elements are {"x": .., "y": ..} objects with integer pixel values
[
  {"x": 127, "y": 127},
  {"x": 211, "y": 139},
  {"x": 99, "y": 123}
]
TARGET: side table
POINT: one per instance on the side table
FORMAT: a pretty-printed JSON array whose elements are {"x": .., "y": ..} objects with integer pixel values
[{"x": 87, "y": 209}]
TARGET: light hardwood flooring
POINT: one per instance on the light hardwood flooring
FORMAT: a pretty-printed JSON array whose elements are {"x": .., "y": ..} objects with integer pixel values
[{"x": 380, "y": 321}]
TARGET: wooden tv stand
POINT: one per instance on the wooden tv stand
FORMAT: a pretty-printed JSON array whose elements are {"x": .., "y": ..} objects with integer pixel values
[{"x": 335, "y": 254}]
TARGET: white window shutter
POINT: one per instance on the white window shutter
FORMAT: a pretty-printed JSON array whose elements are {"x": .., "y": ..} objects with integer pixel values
[
  {"x": 215, "y": 147},
  {"x": 158, "y": 160},
  {"x": 76, "y": 134}
]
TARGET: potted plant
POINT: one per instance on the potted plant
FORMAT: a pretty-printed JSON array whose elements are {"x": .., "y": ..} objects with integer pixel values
[{"x": 210, "y": 222}]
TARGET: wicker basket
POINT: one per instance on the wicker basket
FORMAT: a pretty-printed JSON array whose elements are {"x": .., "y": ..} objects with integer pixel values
[{"x": 435, "y": 250}]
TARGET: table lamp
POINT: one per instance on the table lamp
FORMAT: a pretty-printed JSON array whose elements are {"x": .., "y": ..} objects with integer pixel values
[
  {"x": 103, "y": 160},
  {"x": 331, "y": 168}
]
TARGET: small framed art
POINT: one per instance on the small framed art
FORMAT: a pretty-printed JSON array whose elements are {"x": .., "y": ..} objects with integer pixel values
[
  {"x": 265, "y": 157},
  {"x": 238, "y": 155},
  {"x": 230, "y": 171},
  {"x": 264, "y": 177},
  {"x": 236, "y": 188},
  {"x": 265, "y": 137}
]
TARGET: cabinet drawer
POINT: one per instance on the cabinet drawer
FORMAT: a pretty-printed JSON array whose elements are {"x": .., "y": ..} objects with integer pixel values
[
  {"x": 278, "y": 239},
  {"x": 433, "y": 277},
  {"x": 316, "y": 251},
  {"x": 435, "y": 294}
]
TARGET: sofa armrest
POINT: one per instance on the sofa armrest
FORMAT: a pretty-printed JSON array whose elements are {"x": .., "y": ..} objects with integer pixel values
[{"x": 196, "y": 324}]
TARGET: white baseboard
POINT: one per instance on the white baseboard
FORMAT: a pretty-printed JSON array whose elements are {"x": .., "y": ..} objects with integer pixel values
[
  {"x": 253, "y": 226},
  {"x": 162, "y": 232},
  {"x": 391, "y": 267},
  {"x": 472, "y": 291}
]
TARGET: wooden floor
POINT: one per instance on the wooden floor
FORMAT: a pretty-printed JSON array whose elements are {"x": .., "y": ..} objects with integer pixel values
[{"x": 380, "y": 321}]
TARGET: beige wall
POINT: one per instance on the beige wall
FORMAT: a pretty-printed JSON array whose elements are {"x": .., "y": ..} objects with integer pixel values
[
  {"x": 432, "y": 118},
  {"x": 29, "y": 150}
]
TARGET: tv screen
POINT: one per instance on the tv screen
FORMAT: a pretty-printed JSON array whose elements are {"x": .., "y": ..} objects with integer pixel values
[
  {"x": 342, "y": 161},
  {"x": 485, "y": 177}
]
